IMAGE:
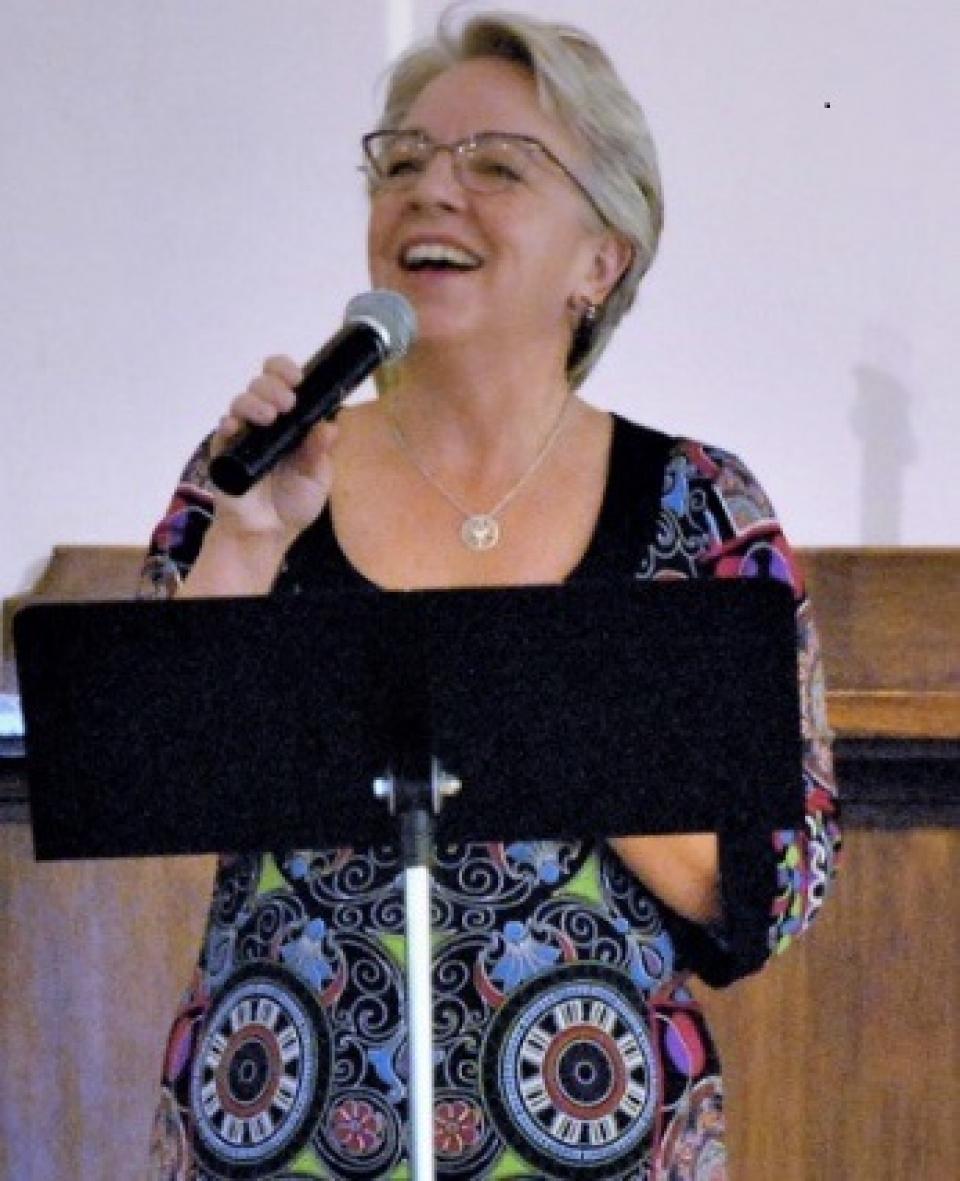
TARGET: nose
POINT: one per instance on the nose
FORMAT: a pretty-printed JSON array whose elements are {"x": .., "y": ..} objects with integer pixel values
[{"x": 438, "y": 183}]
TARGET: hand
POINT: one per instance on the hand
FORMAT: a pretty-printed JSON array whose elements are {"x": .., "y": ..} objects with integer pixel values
[{"x": 292, "y": 495}]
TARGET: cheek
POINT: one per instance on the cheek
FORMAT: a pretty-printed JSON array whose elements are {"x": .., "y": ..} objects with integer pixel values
[
  {"x": 377, "y": 237},
  {"x": 543, "y": 238}
]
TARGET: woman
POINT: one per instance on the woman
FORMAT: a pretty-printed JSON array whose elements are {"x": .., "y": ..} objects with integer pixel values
[{"x": 515, "y": 201}]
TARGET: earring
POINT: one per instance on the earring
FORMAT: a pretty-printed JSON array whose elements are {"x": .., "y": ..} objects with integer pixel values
[{"x": 583, "y": 312}]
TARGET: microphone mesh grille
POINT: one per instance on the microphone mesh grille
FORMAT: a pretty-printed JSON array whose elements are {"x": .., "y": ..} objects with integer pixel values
[{"x": 389, "y": 314}]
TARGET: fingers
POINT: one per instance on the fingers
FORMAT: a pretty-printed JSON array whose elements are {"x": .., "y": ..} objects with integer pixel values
[
  {"x": 295, "y": 491},
  {"x": 292, "y": 494},
  {"x": 299, "y": 485},
  {"x": 284, "y": 368},
  {"x": 269, "y": 394},
  {"x": 315, "y": 451}
]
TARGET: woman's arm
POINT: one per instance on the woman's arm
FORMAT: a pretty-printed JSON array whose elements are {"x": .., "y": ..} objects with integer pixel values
[
  {"x": 233, "y": 562},
  {"x": 747, "y": 892},
  {"x": 682, "y": 870},
  {"x": 210, "y": 544}
]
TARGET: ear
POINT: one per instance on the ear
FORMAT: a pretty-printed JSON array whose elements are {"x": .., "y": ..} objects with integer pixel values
[{"x": 612, "y": 257}]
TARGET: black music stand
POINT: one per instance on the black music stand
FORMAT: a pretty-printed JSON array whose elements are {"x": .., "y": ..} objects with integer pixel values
[{"x": 157, "y": 728}]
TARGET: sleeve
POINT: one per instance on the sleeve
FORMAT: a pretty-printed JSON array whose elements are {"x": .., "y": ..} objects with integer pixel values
[
  {"x": 772, "y": 884},
  {"x": 177, "y": 538}
]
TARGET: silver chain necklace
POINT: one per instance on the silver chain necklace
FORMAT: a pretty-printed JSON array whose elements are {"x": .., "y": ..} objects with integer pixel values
[{"x": 479, "y": 531}]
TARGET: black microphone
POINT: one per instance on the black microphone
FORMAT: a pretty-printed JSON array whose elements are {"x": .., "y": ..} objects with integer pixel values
[{"x": 378, "y": 326}]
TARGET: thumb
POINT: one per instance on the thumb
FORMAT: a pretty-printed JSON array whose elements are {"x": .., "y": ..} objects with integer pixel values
[{"x": 313, "y": 457}]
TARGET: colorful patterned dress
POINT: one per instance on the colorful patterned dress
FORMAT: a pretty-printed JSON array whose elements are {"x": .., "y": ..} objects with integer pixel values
[{"x": 566, "y": 1040}]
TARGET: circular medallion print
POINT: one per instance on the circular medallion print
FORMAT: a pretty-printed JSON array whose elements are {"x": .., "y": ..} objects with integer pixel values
[
  {"x": 362, "y": 1135},
  {"x": 570, "y": 1074},
  {"x": 259, "y": 1073}
]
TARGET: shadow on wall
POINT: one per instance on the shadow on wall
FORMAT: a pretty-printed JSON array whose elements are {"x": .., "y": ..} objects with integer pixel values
[{"x": 880, "y": 416}]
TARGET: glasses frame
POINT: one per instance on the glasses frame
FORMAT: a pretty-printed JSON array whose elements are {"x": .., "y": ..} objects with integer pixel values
[{"x": 458, "y": 152}]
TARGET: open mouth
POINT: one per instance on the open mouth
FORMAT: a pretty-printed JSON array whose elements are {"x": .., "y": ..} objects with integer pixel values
[{"x": 438, "y": 256}]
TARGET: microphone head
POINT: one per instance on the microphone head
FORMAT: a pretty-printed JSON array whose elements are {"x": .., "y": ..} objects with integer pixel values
[{"x": 390, "y": 315}]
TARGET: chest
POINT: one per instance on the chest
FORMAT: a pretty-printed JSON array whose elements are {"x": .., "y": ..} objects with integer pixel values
[{"x": 401, "y": 532}]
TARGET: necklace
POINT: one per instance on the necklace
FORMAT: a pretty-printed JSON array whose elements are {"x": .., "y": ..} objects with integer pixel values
[{"x": 479, "y": 531}]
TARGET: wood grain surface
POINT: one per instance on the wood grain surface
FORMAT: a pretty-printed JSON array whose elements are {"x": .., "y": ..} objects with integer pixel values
[{"x": 842, "y": 1058}]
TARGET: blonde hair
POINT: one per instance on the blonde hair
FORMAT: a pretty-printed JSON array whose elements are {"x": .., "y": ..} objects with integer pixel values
[{"x": 578, "y": 85}]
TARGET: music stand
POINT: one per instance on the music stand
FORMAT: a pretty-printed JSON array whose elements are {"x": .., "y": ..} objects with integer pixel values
[{"x": 148, "y": 728}]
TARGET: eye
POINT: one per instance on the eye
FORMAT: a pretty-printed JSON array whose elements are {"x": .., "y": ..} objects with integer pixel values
[
  {"x": 497, "y": 162},
  {"x": 396, "y": 156},
  {"x": 401, "y": 163},
  {"x": 496, "y": 168}
]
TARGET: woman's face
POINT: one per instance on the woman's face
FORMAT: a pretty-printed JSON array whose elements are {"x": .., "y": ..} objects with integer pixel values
[{"x": 532, "y": 247}]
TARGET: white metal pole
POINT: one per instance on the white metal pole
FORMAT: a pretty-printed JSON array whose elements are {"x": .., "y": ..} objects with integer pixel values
[{"x": 416, "y": 888}]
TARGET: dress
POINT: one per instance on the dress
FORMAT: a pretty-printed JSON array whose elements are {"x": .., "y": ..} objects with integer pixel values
[{"x": 567, "y": 1041}]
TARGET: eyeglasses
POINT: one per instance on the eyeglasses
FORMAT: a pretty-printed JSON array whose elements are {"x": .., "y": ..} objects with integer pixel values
[{"x": 486, "y": 162}]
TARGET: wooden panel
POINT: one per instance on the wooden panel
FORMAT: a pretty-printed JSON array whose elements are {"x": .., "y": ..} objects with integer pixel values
[
  {"x": 74, "y": 572},
  {"x": 890, "y": 617},
  {"x": 895, "y": 714},
  {"x": 890, "y": 622},
  {"x": 95, "y": 958},
  {"x": 91, "y": 572},
  {"x": 841, "y": 1058}
]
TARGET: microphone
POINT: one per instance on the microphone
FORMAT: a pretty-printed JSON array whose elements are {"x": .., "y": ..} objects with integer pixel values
[{"x": 378, "y": 326}]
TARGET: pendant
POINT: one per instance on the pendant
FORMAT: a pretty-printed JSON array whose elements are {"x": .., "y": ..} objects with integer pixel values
[{"x": 480, "y": 532}]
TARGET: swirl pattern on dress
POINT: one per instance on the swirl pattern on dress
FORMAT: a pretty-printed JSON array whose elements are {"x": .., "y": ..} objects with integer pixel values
[{"x": 565, "y": 1037}]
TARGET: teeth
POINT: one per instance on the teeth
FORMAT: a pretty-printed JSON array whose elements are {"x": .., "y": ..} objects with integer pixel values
[{"x": 425, "y": 253}]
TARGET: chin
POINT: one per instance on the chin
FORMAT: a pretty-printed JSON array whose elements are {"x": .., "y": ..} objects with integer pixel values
[{"x": 442, "y": 325}]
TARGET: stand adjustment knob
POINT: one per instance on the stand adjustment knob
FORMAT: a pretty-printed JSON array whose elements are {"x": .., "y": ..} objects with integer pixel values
[
  {"x": 384, "y": 788},
  {"x": 445, "y": 786}
]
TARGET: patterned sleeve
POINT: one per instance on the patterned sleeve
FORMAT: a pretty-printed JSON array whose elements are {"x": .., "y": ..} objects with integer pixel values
[
  {"x": 772, "y": 884},
  {"x": 177, "y": 539}
]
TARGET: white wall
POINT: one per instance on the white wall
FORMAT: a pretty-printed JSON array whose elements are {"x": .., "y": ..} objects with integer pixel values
[{"x": 179, "y": 199}]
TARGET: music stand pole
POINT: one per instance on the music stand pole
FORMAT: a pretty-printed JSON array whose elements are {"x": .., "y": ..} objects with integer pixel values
[{"x": 415, "y": 802}]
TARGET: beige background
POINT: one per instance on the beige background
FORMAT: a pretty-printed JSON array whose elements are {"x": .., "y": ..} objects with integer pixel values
[{"x": 180, "y": 199}]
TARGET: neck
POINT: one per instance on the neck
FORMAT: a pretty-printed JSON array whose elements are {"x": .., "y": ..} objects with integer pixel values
[{"x": 480, "y": 415}]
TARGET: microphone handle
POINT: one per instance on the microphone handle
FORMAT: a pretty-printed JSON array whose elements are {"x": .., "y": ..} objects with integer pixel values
[{"x": 328, "y": 377}]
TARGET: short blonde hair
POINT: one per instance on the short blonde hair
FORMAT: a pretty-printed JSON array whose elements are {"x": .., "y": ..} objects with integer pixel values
[{"x": 578, "y": 85}]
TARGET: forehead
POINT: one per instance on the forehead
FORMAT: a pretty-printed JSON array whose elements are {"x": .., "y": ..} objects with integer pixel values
[{"x": 486, "y": 94}]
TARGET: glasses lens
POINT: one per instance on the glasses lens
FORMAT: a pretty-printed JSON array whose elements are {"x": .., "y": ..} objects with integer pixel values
[
  {"x": 484, "y": 164},
  {"x": 493, "y": 163},
  {"x": 398, "y": 156}
]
